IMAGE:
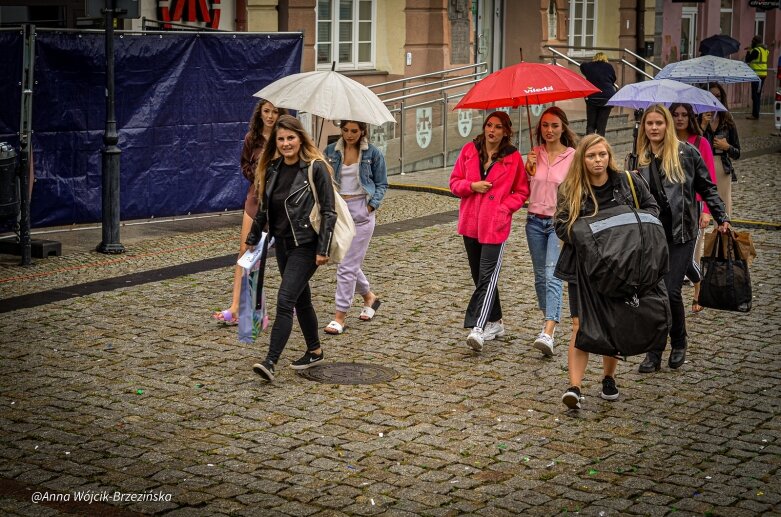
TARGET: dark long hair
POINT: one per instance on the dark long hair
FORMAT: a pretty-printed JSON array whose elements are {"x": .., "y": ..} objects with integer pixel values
[
  {"x": 256, "y": 124},
  {"x": 507, "y": 125},
  {"x": 568, "y": 137},
  {"x": 725, "y": 117},
  {"x": 693, "y": 125}
]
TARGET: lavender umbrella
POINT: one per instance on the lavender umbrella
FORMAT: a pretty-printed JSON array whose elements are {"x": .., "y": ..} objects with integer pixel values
[{"x": 666, "y": 92}]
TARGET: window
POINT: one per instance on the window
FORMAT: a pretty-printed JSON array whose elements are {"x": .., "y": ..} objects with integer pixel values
[
  {"x": 582, "y": 26},
  {"x": 759, "y": 25},
  {"x": 345, "y": 30},
  {"x": 725, "y": 19},
  {"x": 553, "y": 26}
]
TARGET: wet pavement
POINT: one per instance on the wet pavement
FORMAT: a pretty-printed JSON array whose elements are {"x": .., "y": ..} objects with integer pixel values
[{"x": 133, "y": 396}]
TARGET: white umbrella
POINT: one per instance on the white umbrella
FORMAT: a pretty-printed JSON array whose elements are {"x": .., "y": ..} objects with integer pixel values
[
  {"x": 708, "y": 69},
  {"x": 329, "y": 95}
]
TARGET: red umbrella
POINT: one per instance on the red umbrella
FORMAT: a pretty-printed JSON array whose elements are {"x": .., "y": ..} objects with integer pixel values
[{"x": 524, "y": 84}]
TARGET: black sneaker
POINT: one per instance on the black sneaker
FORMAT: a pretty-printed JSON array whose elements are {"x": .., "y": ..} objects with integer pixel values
[
  {"x": 609, "y": 390},
  {"x": 307, "y": 360},
  {"x": 264, "y": 369},
  {"x": 572, "y": 398}
]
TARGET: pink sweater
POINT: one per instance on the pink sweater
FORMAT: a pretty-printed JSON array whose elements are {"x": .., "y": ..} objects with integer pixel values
[
  {"x": 707, "y": 156},
  {"x": 488, "y": 217},
  {"x": 545, "y": 182}
]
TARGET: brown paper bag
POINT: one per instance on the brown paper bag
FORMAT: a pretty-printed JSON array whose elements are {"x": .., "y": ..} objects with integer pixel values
[{"x": 745, "y": 244}]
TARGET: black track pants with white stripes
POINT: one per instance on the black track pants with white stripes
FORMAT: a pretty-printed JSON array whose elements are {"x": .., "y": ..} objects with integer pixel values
[{"x": 485, "y": 262}]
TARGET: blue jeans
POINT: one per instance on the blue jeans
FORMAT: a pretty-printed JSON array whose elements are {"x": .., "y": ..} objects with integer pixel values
[{"x": 544, "y": 248}]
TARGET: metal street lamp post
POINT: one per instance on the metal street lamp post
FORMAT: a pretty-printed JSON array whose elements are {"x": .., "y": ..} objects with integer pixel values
[{"x": 111, "y": 152}]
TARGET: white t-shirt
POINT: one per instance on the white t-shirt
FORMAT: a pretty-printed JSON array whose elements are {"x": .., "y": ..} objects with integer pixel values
[{"x": 350, "y": 183}]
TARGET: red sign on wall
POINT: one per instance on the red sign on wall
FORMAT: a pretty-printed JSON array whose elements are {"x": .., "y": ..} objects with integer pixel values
[{"x": 190, "y": 11}]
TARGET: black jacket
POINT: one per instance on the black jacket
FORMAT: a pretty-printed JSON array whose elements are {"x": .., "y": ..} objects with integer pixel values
[
  {"x": 603, "y": 76},
  {"x": 298, "y": 206},
  {"x": 622, "y": 194},
  {"x": 681, "y": 196},
  {"x": 729, "y": 133}
]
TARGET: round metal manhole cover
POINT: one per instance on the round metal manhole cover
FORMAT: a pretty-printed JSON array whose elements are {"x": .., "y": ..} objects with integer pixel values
[{"x": 349, "y": 373}]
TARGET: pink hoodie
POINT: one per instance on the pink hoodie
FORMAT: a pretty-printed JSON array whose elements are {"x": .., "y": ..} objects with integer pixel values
[{"x": 487, "y": 217}]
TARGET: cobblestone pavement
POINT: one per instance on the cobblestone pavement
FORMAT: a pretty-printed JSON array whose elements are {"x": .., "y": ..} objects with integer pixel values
[{"x": 136, "y": 391}]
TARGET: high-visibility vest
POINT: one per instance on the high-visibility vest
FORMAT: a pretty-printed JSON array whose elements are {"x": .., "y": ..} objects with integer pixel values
[{"x": 759, "y": 65}]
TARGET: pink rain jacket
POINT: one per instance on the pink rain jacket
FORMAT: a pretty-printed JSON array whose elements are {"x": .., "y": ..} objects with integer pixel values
[{"x": 488, "y": 217}]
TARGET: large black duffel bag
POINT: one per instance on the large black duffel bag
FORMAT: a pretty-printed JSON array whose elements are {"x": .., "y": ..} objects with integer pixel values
[
  {"x": 623, "y": 251},
  {"x": 622, "y": 326}
]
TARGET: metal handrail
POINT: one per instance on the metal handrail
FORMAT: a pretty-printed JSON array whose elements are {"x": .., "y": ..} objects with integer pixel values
[
  {"x": 653, "y": 65},
  {"x": 630, "y": 65},
  {"x": 437, "y": 90},
  {"x": 563, "y": 56},
  {"x": 431, "y": 74},
  {"x": 407, "y": 88}
]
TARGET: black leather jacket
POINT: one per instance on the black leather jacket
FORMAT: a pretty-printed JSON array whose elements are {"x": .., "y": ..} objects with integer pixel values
[
  {"x": 681, "y": 196},
  {"x": 729, "y": 133},
  {"x": 298, "y": 206},
  {"x": 622, "y": 194}
]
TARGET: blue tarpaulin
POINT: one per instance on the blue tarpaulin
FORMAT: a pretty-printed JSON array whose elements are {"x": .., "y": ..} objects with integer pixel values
[{"x": 183, "y": 103}]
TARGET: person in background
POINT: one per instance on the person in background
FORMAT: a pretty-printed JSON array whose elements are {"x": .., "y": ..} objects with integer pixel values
[
  {"x": 491, "y": 181},
  {"x": 675, "y": 173},
  {"x": 601, "y": 74},
  {"x": 593, "y": 184},
  {"x": 687, "y": 129},
  {"x": 722, "y": 133},
  {"x": 757, "y": 58},
  {"x": 286, "y": 200},
  {"x": 359, "y": 170},
  {"x": 261, "y": 123},
  {"x": 547, "y": 164}
]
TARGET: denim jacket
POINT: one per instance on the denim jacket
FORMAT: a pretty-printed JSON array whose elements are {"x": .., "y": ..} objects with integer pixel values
[{"x": 373, "y": 176}]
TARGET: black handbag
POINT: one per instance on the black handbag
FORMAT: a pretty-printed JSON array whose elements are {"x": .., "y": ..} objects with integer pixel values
[{"x": 726, "y": 284}]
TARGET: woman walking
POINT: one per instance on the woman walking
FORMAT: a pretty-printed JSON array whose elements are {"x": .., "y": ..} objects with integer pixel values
[
  {"x": 675, "y": 172},
  {"x": 593, "y": 184},
  {"x": 359, "y": 170},
  {"x": 722, "y": 134},
  {"x": 490, "y": 179},
  {"x": 547, "y": 164},
  {"x": 286, "y": 201},
  {"x": 262, "y": 122},
  {"x": 687, "y": 129}
]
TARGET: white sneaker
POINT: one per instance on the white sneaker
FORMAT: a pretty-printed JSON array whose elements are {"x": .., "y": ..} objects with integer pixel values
[
  {"x": 544, "y": 343},
  {"x": 476, "y": 339},
  {"x": 493, "y": 330}
]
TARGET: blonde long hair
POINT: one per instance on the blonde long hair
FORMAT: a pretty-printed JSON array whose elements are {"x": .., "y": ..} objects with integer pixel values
[
  {"x": 308, "y": 152},
  {"x": 671, "y": 162},
  {"x": 576, "y": 185}
]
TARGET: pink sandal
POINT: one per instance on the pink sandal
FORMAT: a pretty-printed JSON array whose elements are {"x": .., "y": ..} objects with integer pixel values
[{"x": 226, "y": 317}]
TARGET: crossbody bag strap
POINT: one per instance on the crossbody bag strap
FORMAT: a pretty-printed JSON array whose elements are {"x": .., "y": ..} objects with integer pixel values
[
  {"x": 632, "y": 187},
  {"x": 310, "y": 175}
]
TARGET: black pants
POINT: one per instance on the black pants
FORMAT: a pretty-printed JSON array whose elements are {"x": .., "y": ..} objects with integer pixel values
[
  {"x": 680, "y": 258},
  {"x": 756, "y": 96},
  {"x": 596, "y": 118},
  {"x": 485, "y": 262},
  {"x": 296, "y": 265}
]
